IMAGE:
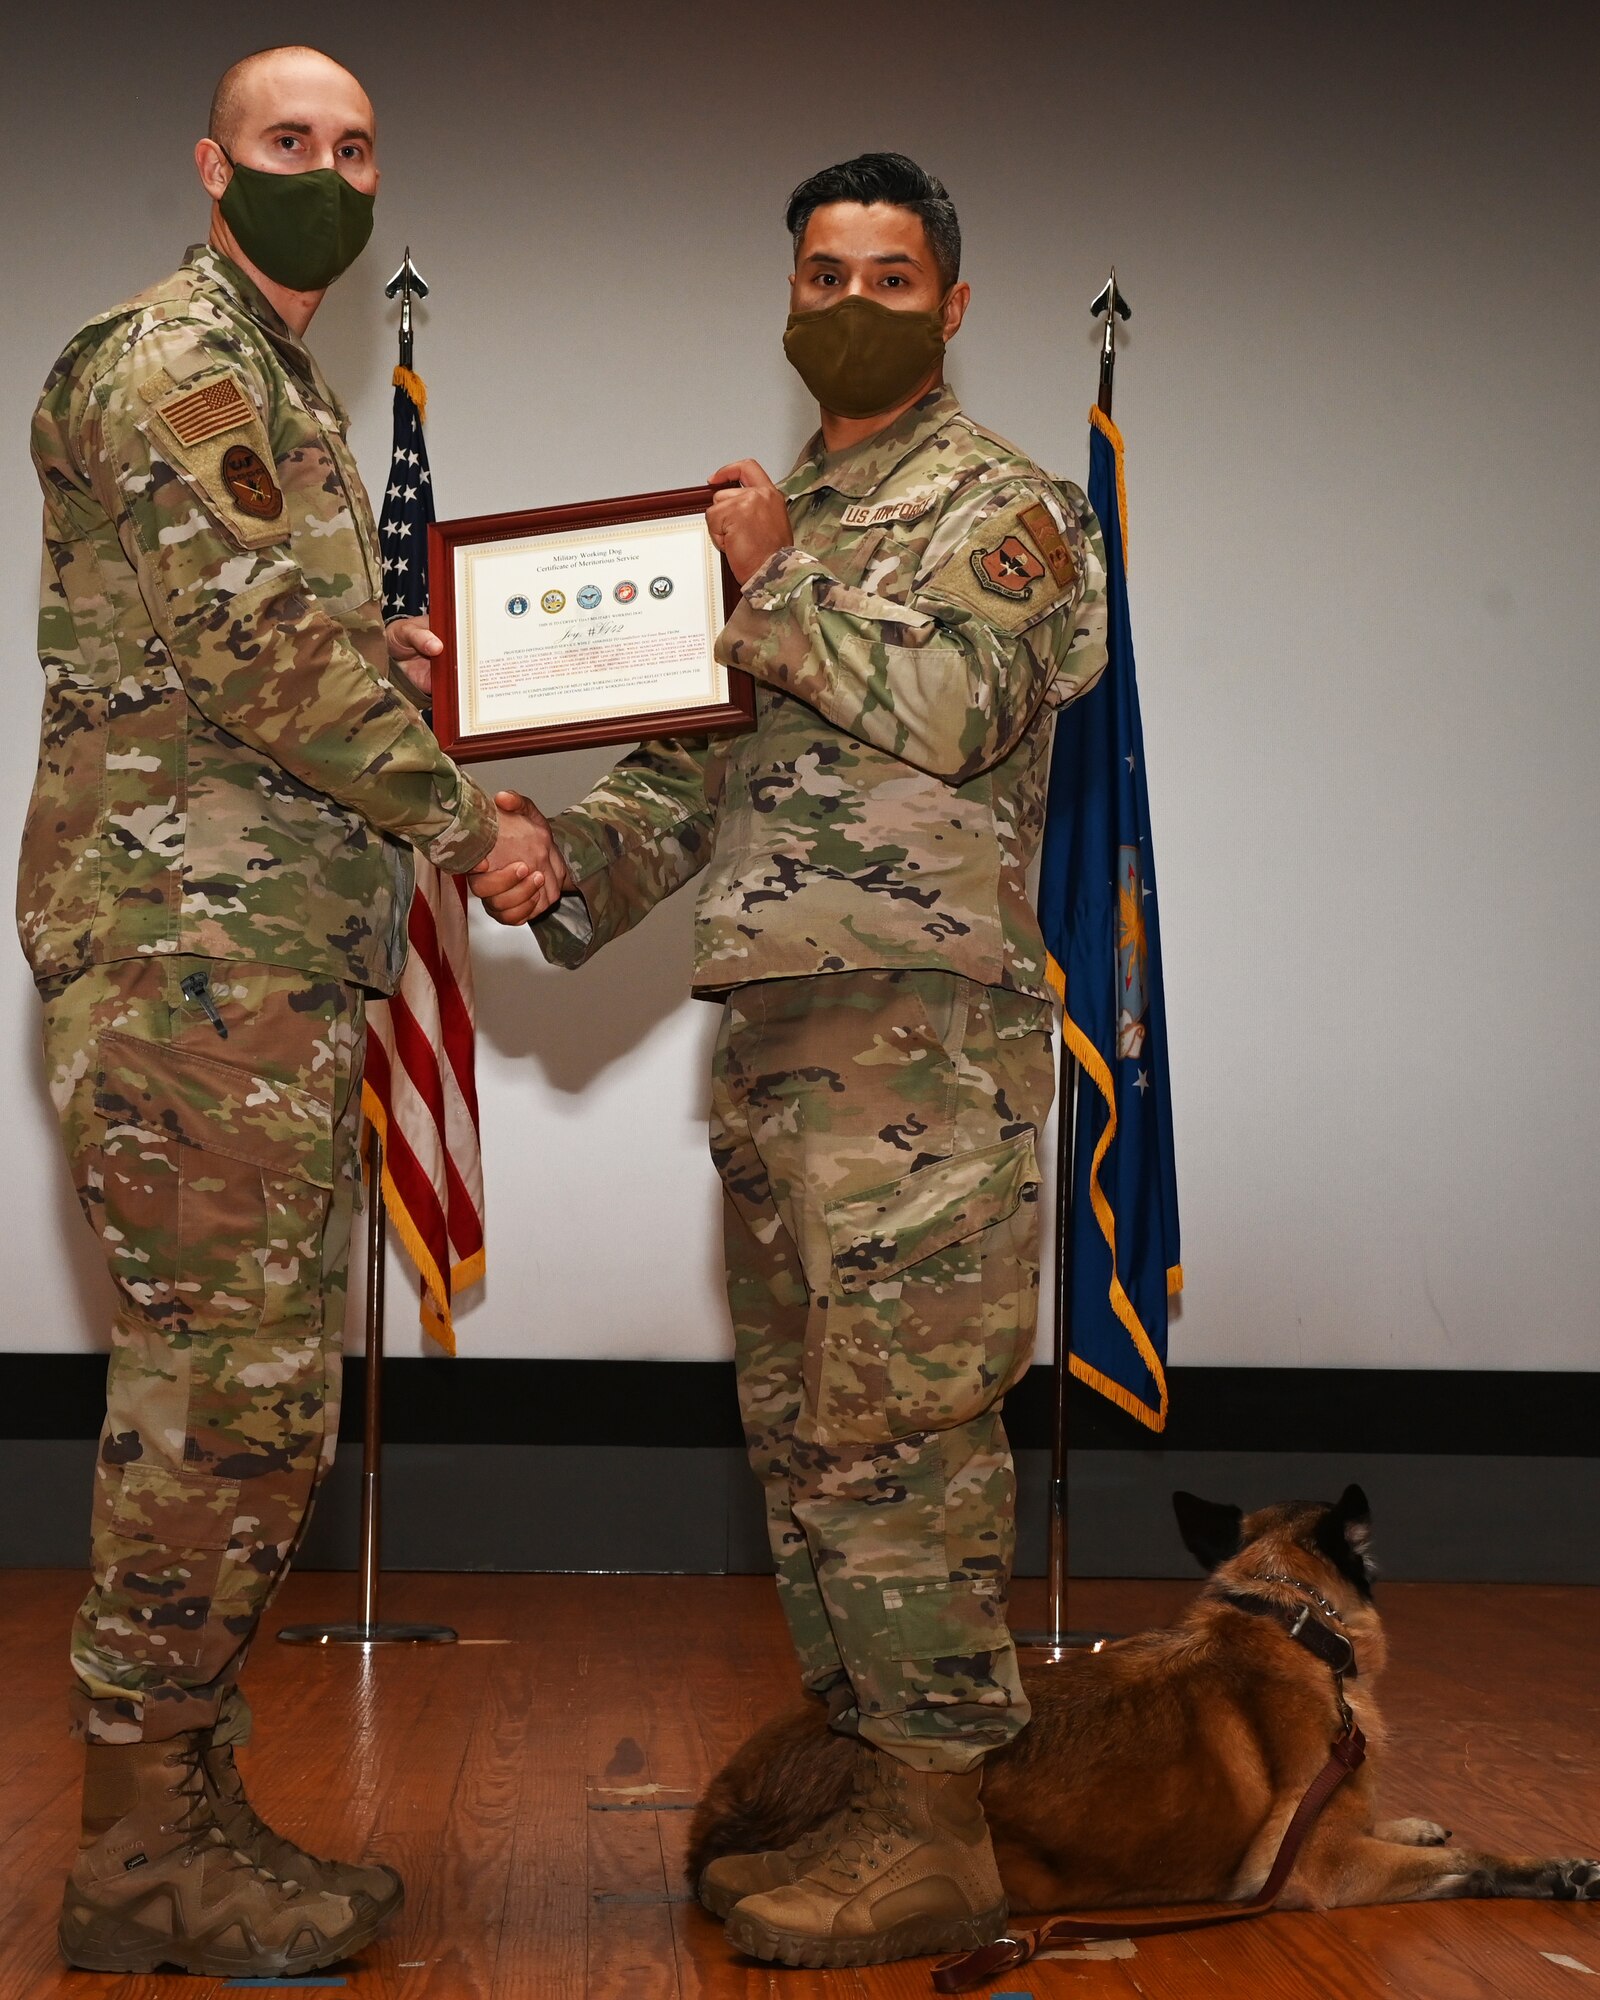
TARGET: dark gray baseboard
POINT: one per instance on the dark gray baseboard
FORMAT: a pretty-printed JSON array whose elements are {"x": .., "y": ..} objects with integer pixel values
[{"x": 656, "y": 1508}]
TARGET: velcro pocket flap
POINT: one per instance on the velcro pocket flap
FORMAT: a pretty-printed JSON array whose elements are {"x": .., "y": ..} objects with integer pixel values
[
  {"x": 879, "y": 1234},
  {"x": 173, "y": 1093},
  {"x": 936, "y": 1621},
  {"x": 184, "y": 1510}
]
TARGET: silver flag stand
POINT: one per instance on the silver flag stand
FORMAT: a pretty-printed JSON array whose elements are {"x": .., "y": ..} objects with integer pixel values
[
  {"x": 369, "y": 1630},
  {"x": 1057, "y": 1640}
]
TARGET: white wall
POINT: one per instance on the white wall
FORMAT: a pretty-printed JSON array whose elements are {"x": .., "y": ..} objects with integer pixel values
[{"x": 1360, "y": 397}]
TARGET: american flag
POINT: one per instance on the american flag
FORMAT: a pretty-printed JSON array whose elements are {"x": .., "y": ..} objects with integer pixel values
[{"x": 420, "y": 1090}]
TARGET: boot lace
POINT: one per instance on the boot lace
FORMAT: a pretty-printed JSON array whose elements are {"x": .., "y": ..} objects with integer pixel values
[
  {"x": 229, "y": 1788},
  {"x": 197, "y": 1823},
  {"x": 868, "y": 1830}
]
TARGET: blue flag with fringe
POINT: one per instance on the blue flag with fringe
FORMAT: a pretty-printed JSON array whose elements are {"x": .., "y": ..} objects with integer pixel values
[{"x": 1102, "y": 926}]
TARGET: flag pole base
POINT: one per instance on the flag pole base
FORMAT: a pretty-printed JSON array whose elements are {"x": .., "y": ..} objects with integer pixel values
[
  {"x": 367, "y": 1635},
  {"x": 1056, "y": 1646},
  {"x": 369, "y": 1630}
]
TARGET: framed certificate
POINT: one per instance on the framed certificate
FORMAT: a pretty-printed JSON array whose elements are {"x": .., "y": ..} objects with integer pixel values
[{"x": 578, "y": 625}]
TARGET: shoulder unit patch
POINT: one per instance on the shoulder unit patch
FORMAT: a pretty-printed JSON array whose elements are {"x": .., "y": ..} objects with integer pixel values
[
  {"x": 250, "y": 483},
  {"x": 1009, "y": 569}
]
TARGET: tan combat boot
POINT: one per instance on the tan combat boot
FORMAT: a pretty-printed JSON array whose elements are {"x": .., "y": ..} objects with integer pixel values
[
  {"x": 157, "y": 1882},
  {"x": 725, "y": 1882},
  {"x": 911, "y": 1871},
  {"x": 249, "y": 1832}
]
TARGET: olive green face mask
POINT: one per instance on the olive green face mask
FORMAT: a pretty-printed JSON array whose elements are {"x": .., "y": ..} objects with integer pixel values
[
  {"x": 303, "y": 230},
  {"x": 858, "y": 357}
]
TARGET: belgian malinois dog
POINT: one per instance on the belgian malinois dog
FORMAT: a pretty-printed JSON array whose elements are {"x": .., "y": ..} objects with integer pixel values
[{"x": 1165, "y": 1768}]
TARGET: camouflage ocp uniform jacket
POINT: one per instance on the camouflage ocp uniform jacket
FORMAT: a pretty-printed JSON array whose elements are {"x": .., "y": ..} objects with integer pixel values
[
  {"x": 225, "y": 768},
  {"x": 941, "y": 598}
]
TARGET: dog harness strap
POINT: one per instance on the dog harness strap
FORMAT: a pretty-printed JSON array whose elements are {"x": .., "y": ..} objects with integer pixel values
[{"x": 977, "y": 1968}]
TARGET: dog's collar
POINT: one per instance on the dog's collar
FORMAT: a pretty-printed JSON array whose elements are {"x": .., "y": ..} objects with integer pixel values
[
  {"x": 1305, "y": 1589},
  {"x": 1334, "y": 1649}
]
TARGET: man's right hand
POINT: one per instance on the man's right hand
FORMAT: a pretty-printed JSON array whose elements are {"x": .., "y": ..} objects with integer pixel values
[{"x": 524, "y": 874}]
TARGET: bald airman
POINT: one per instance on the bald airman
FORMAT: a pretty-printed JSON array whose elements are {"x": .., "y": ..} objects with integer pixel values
[{"x": 215, "y": 874}]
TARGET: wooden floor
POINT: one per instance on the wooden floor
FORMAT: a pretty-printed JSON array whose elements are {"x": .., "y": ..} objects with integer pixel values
[{"x": 532, "y": 1784}]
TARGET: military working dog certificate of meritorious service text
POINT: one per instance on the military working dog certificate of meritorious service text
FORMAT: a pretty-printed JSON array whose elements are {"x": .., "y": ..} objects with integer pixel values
[{"x": 577, "y": 625}]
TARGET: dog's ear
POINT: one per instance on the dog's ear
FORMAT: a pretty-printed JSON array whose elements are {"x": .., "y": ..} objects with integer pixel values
[
  {"x": 1344, "y": 1536},
  {"x": 1209, "y": 1529}
]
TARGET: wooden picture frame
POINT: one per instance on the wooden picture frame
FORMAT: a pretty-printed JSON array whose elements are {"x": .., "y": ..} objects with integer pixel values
[{"x": 537, "y": 608}]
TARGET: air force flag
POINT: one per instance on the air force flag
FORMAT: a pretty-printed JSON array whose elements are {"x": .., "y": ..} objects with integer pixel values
[{"x": 1101, "y": 922}]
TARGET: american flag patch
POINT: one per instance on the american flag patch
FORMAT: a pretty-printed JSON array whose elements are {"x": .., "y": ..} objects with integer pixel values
[{"x": 204, "y": 413}]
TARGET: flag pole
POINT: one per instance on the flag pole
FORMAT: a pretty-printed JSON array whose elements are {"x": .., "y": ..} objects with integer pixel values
[
  {"x": 369, "y": 1629},
  {"x": 1110, "y": 302},
  {"x": 1057, "y": 1639},
  {"x": 406, "y": 284}
]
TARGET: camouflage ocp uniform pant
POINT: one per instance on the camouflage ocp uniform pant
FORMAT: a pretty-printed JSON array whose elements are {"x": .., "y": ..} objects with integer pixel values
[
  {"x": 219, "y": 1176},
  {"x": 875, "y": 1136}
]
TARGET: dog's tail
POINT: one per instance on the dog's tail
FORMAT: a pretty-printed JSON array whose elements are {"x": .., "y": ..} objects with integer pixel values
[{"x": 784, "y": 1780}]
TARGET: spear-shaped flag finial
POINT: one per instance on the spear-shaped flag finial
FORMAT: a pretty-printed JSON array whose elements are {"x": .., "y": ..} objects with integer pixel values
[
  {"x": 1115, "y": 307},
  {"x": 407, "y": 284},
  {"x": 408, "y": 497}
]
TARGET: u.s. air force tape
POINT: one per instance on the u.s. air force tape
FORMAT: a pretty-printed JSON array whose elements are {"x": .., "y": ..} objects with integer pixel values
[{"x": 866, "y": 514}]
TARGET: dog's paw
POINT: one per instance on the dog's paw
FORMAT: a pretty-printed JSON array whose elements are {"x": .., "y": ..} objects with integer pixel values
[
  {"x": 1577, "y": 1883},
  {"x": 1414, "y": 1832},
  {"x": 1572, "y": 1881}
]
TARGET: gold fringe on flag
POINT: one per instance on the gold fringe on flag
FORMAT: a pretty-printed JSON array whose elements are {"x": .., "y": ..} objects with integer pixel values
[
  {"x": 1108, "y": 430},
  {"x": 438, "y": 1295},
  {"x": 417, "y": 390},
  {"x": 1093, "y": 1066}
]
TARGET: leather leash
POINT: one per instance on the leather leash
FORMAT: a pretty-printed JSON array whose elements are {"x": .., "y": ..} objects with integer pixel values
[{"x": 1006, "y": 1953}]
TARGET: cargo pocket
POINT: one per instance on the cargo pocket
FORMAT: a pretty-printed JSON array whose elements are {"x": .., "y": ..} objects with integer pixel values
[
  {"x": 159, "y": 1553},
  {"x": 931, "y": 1621},
  {"x": 217, "y": 1186},
  {"x": 932, "y": 1297},
  {"x": 181, "y": 1510},
  {"x": 951, "y": 1647}
]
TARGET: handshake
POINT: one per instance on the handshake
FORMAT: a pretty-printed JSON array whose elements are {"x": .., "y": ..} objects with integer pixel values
[{"x": 524, "y": 874}]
